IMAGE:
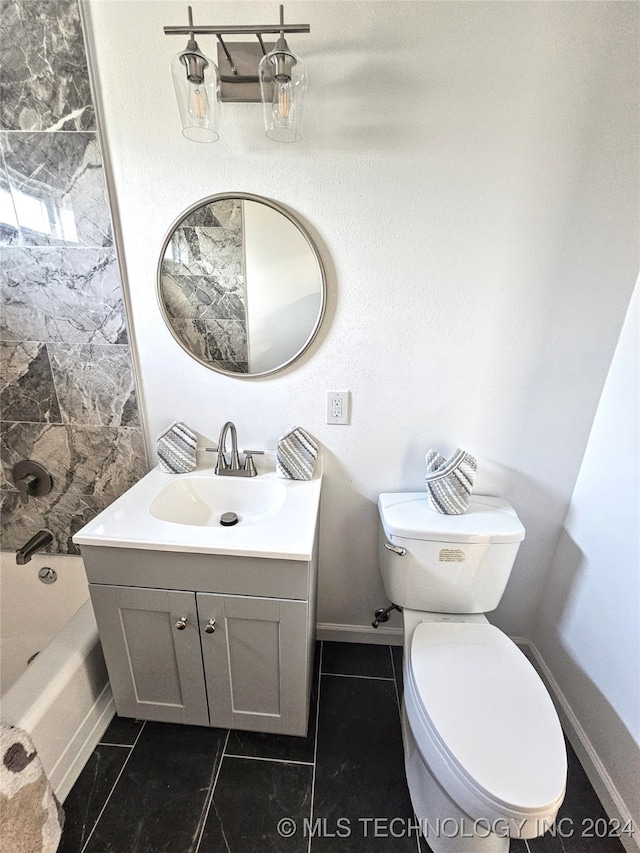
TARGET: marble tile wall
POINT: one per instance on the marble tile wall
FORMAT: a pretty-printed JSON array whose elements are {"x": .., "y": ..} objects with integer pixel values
[
  {"x": 203, "y": 285},
  {"x": 67, "y": 391}
]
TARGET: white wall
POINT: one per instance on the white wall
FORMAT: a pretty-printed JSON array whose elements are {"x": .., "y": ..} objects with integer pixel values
[
  {"x": 588, "y": 627},
  {"x": 282, "y": 285},
  {"x": 469, "y": 172}
]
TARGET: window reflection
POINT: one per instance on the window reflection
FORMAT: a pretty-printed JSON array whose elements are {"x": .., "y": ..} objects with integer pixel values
[{"x": 46, "y": 216}]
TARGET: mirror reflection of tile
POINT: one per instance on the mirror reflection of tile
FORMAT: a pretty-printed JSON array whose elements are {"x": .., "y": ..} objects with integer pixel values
[{"x": 204, "y": 287}]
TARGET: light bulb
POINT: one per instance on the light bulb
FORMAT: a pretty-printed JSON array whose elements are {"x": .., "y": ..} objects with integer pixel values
[
  {"x": 198, "y": 101},
  {"x": 284, "y": 99}
]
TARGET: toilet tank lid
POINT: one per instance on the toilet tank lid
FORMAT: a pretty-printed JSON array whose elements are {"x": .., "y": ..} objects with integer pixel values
[{"x": 487, "y": 519}]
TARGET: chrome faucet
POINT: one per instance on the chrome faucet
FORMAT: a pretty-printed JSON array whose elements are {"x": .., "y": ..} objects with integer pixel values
[
  {"x": 41, "y": 539},
  {"x": 231, "y": 467}
]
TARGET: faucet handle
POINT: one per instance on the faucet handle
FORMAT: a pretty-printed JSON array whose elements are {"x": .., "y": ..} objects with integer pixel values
[
  {"x": 31, "y": 479},
  {"x": 249, "y": 464}
]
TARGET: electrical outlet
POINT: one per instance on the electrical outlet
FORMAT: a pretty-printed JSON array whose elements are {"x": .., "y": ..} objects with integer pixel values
[{"x": 338, "y": 407}]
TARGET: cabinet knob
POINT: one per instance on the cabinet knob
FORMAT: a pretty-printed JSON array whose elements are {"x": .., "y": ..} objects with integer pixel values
[
  {"x": 210, "y": 627},
  {"x": 181, "y": 624}
]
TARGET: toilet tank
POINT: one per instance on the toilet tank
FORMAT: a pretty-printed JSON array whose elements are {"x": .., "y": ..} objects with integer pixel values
[{"x": 452, "y": 563}]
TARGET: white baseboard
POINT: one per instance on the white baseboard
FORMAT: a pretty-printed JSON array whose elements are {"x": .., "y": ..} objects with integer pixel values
[
  {"x": 359, "y": 634},
  {"x": 70, "y": 764},
  {"x": 602, "y": 782}
]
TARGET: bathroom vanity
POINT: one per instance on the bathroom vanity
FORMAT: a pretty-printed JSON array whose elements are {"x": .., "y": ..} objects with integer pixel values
[{"x": 205, "y": 624}]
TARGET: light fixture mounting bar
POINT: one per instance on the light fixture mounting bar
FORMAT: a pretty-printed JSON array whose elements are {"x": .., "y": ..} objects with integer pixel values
[{"x": 241, "y": 30}]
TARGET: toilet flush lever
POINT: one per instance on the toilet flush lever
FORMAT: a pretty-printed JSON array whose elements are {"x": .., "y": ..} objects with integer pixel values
[{"x": 396, "y": 549}]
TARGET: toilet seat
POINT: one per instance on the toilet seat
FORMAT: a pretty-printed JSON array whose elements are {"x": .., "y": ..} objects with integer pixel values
[{"x": 484, "y": 722}]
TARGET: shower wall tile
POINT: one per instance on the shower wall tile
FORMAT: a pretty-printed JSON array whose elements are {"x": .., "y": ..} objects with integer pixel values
[
  {"x": 58, "y": 188},
  {"x": 26, "y": 314},
  {"x": 67, "y": 389},
  {"x": 61, "y": 295},
  {"x": 95, "y": 384},
  {"x": 86, "y": 295},
  {"x": 9, "y": 232},
  {"x": 27, "y": 391},
  {"x": 63, "y": 516},
  {"x": 45, "y": 82},
  {"x": 81, "y": 460}
]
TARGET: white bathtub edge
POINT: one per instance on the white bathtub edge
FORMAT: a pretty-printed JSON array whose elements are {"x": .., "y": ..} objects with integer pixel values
[
  {"x": 64, "y": 700},
  {"x": 72, "y": 761}
]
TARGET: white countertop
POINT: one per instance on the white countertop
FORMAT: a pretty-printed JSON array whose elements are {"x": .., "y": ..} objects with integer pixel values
[{"x": 287, "y": 535}]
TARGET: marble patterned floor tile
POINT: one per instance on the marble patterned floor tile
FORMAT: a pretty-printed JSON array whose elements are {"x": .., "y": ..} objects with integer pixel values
[
  {"x": 360, "y": 765},
  {"x": 122, "y": 731},
  {"x": 576, "y": 820},
  {"x": 89, "y": 794},
  {"x": 250, "y": 799},
  {"x": 362, "y": 659},
  {"x": 58, "y": 188},
  {"x": 397, "y": 654},
  {"x": 158, "y": 802},
  {"x": 27, "y": 391},
  {"x": 81, "y": 460},
  {"x": 280, "y": 747},
  {"x": 95, "y": 384},
  {"x": 45, "y": 81}
]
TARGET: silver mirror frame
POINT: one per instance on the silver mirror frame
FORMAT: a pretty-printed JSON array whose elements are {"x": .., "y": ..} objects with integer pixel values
[{"x": 286, "y": 213}]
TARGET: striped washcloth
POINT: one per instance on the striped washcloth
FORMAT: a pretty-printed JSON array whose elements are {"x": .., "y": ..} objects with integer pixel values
[
  {"x": 450, "y": 481},
  {"x": 177, "y": 449},
  {"x": 296, "y": 455}
]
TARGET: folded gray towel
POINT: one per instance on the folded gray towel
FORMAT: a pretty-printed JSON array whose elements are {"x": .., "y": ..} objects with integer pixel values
[
  {"x": 449, "y": 481},
  {"x": 296, "y": 455},
  {"x": 177, "y": 449}
]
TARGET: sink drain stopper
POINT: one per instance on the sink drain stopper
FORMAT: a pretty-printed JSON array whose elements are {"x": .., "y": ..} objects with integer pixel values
[{"x": 228, "y": 519}]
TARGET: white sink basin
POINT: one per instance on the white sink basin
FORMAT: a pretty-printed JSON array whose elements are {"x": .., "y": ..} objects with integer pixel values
[
  {"x": 202, "y": 501},
  {"x": 277, "y": 518}
]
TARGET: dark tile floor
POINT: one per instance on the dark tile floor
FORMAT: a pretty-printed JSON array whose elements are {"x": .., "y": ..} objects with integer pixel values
[{"x": 162, "y": 788}]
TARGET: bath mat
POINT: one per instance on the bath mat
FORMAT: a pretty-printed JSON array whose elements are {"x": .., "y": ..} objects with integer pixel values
[
  {"x": 31, "y": 818},
  {"x": 296, "y": 455},
  {"x": 177, "y": 449},
  {"x": 449, "y": 481}
]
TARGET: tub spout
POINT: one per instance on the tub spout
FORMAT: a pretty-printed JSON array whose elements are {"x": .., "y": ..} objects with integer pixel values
[{"x": 36, "y": 543}]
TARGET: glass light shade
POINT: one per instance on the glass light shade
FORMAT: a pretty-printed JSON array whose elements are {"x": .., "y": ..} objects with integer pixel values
[
  {"x": 197, "y": 84},
  {"x": 283, "y": 81}
]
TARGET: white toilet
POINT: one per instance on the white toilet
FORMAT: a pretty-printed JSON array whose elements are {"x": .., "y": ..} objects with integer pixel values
[{"x": 484, "y": 751}]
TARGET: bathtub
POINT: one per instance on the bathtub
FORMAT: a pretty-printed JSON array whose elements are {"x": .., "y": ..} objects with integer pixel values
[{"x": 62, "y": 698}]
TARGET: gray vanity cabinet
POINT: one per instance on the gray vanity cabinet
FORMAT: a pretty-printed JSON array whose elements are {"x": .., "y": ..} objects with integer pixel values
[
  {"x": 206, "y": 640},
  {"x": 254, "y": 662},
  {"x": 155, "y": 669}
]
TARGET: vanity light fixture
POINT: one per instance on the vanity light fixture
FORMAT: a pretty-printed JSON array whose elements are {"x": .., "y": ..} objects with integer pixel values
[
  {"x": 197, "y": 84},
  {"x": 247, "y": 72}
]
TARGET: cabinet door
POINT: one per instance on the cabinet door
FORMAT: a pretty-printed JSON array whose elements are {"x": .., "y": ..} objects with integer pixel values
[
  {"x": 255, "y": 662},
  {"x": 155, "y": 668}
]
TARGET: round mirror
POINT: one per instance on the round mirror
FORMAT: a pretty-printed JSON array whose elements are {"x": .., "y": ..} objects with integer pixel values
[{"x": 241, "y": 285}]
